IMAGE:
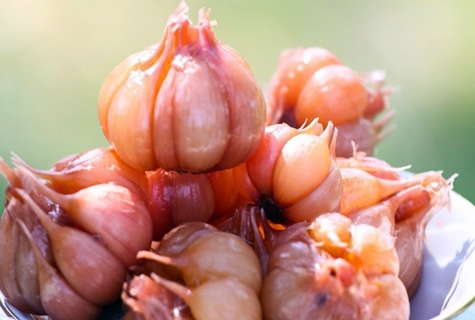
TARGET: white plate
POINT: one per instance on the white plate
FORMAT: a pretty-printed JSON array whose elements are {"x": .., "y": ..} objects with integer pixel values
[
  {"x": 447, "y": 289},
  {"x": 448, "y": 280}
]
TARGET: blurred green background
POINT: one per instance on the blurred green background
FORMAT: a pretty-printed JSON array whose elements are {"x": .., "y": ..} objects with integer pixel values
[{"x": 54, "y": 56}]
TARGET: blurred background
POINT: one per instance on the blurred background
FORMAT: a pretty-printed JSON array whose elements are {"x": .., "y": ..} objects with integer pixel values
[{"x": 54, "y": 56}]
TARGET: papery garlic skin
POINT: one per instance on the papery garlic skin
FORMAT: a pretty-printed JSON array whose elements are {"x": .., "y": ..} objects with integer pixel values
[
  {"x": 144, "y": 298},
  {"x": 189, "y": 103}
]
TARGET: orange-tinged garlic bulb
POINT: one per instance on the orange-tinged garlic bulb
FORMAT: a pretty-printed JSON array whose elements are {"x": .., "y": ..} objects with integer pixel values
[
  {"x": 313, "y": 83},
  {"x": 188, "y": 103},
  {"x": 292, "y": 175},
  {"x": 19, "y": 281},
  {"x": 87, "y": 265},
  {"x": 306, "y": 282}
]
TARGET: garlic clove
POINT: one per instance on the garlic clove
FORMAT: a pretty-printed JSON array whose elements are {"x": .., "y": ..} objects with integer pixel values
[
  {"x": 111, "y": 211},
  {"x": 85, "y": 263},
  {"x": 221, "y": 298},
  {"x": 17, "y": 263},
  {"x": 173, "y": 243},
  {"x": 361, "y": 189},
  {"x": 302, "y": 165},
  {"x": 325, "y": 198},
  {"x": 244, "y": 185},
  {"x": 200, "y": 127},
  {"x": 27, "y": 274},
  {"x": 294, "y": 69},
  {"x": 226, "y": 195},
  {"x": 59, "y": 299},
  {"x": 90, "y": 167},
  {"x": 176, "y": 198},
  {"x": 179, "y": 238},
  {"x": 261, "y": 165},
  {"x": 215, "y": 255},
  {"x": 9, "y": 237},
  {"x": 334, "y": 93}
]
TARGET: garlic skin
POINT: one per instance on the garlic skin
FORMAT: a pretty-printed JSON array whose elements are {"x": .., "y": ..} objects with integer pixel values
[
  {"x": 144, "y": 299},
  {"x": 189, "y": 103}
]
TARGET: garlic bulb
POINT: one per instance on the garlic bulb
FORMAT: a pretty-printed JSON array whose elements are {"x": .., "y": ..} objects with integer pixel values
[
  {"x": 189, "y": 103},
  {"x": 293, "y": 174},
  {"x": 219, "y": 277},
  {"x": 405, "y": 215},
  {"x": 67, "y": 255},
  {"x": 215, "y": 255},
  {"x": 313, "y": 83},
  {"x": 306, "y": 282}
]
